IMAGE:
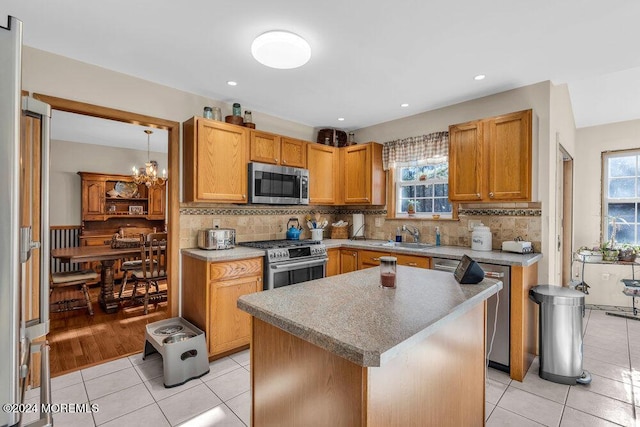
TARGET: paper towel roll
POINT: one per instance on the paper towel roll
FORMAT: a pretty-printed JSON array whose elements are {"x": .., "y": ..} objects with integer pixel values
[{"x": 357, "y": 225}]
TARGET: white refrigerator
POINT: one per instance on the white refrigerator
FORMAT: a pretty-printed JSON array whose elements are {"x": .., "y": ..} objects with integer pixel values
[{"x": 24, "y": 217}]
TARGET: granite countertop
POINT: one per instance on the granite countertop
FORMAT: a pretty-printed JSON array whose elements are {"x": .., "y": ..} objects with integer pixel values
[
  {"x": 352, "y": 316},
  {"x": 239, "y": 252},
  {"x": 451, "y": 252}
]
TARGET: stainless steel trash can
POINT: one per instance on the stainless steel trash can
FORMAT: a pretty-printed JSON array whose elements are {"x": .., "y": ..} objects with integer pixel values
[{"x": 560, "y": 334}]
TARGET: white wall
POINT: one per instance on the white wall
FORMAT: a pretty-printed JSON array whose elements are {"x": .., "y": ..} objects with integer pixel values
[
  {"x": 536, "y": 97},
  {"x": 592, "y": 141},
  {"x": 69, "y": 158}
]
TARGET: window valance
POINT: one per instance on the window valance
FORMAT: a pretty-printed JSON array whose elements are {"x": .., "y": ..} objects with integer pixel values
[{"x": 431, "y": 149}]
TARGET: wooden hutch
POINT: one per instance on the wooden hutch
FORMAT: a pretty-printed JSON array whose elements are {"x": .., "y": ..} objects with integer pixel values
[{"x": 110, "y": 202}]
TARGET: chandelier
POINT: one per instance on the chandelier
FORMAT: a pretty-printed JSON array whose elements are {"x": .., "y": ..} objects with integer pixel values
[{"x": 148, "y": 175}]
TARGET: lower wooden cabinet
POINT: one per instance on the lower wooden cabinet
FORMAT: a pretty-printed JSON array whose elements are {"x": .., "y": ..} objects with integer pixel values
[
  {"x": 210, "y": 291},
  {"x": 368, "y": 259},
  {"x": 333, "y": 265},
  {"x": 348, "y": 260},
  {"x": 413, "y": 260}
]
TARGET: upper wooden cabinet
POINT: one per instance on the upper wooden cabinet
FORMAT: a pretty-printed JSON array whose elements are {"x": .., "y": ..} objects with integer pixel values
[
  {"x": 215, "y": 161},
  {"x": 277, "y": 150},
  {"x": 323, "y": 163},
  {"x": 293, "y": 152},
  {"x": 99, "y": 204},
  {"x": 346, "y": 176},
  {"x": 364, "y": 179},
  {"x": 490, "y": 159}
]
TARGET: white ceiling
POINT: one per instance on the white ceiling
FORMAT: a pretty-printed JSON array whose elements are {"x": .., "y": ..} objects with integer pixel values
[
  {"x": 92, "y": 130},
  {"x": 367, "y": 57}
]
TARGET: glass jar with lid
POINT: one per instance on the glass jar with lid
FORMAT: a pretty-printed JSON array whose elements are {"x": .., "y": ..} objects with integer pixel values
[{"x": 248, "y": 117}]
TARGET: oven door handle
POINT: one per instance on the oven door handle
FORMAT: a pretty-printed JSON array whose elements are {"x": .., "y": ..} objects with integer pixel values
[{"x": 309, "y": 263}]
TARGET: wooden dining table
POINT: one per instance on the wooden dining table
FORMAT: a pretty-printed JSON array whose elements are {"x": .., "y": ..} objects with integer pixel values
[{"x": 107, "y": 256}]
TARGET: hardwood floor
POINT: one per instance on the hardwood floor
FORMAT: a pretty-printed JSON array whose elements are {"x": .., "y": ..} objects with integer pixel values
[{"x": 78, "y": 340}]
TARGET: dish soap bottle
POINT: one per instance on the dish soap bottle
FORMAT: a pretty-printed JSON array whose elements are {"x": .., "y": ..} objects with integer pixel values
[
  {"x": 398, "y": 235},
  {"x": 437, "y": 236}
]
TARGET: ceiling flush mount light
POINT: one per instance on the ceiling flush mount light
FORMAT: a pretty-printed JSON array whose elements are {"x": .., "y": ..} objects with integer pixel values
[
  {"x": 405, "y": 105},
  {"x": 148, "y": 175},
  {"x": 232, "y": 83},
  {"x": 281, "y": 49},
  {"x": 479, "y": 77},
  {"x": 341, "y": 119}
]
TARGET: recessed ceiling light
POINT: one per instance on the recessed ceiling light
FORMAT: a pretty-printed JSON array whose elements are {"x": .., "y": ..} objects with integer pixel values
[
  {"x": 479, "y": 77},
  {"x": 404, "y": 105},
  {"x": 232, "y": 83},
  {"x": 341, "y": 119},
  {"x": 281, "y": 49}
]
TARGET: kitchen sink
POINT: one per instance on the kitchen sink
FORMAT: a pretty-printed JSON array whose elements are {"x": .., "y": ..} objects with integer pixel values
[{"x": 411, "y": 245}]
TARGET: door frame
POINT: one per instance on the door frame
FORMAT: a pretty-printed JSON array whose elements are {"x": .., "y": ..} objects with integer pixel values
[
  {"x": 567, "y": 213},
  {"x": 173, "y": 204}
]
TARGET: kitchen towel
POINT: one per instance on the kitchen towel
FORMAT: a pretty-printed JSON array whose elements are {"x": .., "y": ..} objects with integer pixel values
[{"x": 358, "y": 225}]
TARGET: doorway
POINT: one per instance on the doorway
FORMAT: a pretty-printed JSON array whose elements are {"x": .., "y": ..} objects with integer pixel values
[
  {"x": 78, "y": 354},
  {"x": 564, "y": 216}
]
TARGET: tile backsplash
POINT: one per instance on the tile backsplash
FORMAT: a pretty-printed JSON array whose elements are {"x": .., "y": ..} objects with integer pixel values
[{"x": 268, "y": 223}]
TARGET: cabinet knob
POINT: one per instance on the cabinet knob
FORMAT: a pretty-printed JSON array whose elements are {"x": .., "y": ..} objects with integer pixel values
[
  {"x": 478, "y": 195},
  {"x": 491, "y": 194},
  {"x": 284, "y": 162},
  {"x": 375, "y": 259},
  {"x": 354, "y": 254},
  {"x": 275, "y": 160},
  {"x": 244, "y": 196},
  {"x": 259, "y": 279},
  {"x": 413, "y": 264}
]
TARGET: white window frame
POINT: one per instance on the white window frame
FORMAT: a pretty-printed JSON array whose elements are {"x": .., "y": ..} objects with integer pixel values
[
  {"x": 398, "y": 192},
  {"x": 606, "y": 200}
]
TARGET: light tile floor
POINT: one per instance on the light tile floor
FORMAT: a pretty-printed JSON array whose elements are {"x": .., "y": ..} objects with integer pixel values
[
  {"x": 129, "y": 391},
  {"x": 611, "y": 355}
]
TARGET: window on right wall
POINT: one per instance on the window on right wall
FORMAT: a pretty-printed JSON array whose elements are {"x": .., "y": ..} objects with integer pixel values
[{"x": 621, "y": 196}]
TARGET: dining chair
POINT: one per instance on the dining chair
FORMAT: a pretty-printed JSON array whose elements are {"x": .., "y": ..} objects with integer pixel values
[
  {"x": 127, "y": 267},
  {"x": 153, "y": 267},
  {"x": 63, "y": 281}
]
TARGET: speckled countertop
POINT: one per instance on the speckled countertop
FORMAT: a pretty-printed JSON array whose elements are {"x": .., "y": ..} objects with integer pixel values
[
  {"x": 452, "y": 252},
  {"x": 239, "y": 252},
  {"x": 352, "y": 316}
]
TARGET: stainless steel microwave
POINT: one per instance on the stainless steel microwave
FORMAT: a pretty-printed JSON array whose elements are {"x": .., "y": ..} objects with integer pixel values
[{"x": 278, "y": 185}]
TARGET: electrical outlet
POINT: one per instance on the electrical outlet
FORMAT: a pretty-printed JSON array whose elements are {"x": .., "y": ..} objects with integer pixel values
[
  {"x": 216, "y": 223},
  {"x": 379, "y": 222},
  {"x": 472, "y": 223}
]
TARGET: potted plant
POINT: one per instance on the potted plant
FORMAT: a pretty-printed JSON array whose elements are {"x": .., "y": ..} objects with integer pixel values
[
  {"x": 609, "y": 253},
  {"x": 587, "y": 254},
  {"x": 411, "y": 208},
  {"x": 627, "y": 252}
]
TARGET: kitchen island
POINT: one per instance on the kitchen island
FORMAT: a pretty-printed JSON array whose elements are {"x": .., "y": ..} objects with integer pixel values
[{"x": 343, "y": 351}]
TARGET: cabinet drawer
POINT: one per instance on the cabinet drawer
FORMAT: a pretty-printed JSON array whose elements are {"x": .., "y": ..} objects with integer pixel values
[
  {"x": 413, "y": 260},
  {"x": 368, "y": 259},
  {"x": 233, "y": 269}
]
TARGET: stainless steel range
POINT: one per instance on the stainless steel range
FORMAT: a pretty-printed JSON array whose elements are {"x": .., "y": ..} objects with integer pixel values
[{"x": 291, "y": 261}]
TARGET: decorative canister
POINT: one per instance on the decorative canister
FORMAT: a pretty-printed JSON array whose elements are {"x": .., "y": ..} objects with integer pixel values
[
  {"x": 481, "y": 238},
  {"x": 208, "y": 113},
  {"x": 217, "y": 114},
  {"x": 237, "y": 111},
  {"x": 248, "y": 117}
]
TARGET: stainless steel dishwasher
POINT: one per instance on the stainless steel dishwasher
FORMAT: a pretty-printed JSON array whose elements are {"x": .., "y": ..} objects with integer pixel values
[{"x": 499, "y": 357}]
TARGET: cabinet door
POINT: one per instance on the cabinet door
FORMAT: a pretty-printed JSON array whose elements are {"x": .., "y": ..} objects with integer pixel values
[
  {"x": 157, "y": 201},
  {"x": 368, "y": 259},
  {"x": 413, "y": 260},
  {"x": 333, "y": 265},
  {"x": 322, "y": 162},
  {"x": 357, "y": 174},
  {"x": 348, "y": 260},
  {"x": 509, "y": 156},
  {"x": 230, "y": 327},
  {"x": 265, "y": 147},
  {"x": 220, "y": 162},
  {"x": 93, "y": 194},
  {"x": 293, "y": 152},
  {"x": 465, "y": 161}
]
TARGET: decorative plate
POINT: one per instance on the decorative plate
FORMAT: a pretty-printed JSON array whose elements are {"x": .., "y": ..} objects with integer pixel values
[{"x": 126, "y": 189}]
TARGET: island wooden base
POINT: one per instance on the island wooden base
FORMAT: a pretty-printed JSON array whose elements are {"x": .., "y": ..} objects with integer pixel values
[
  {"x": 524, "y": 321},
  {"x": 439, "y": 381}
]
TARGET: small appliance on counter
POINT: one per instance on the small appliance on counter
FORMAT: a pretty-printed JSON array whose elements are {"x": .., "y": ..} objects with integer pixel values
[
  {"x": 217, "y": 238},
  {"x": 481, "y": 238},
  {"x": 517, "y": 246}
]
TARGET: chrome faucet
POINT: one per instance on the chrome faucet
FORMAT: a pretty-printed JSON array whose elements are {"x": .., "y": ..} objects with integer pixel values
[{"x": 415, "y": 233}]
